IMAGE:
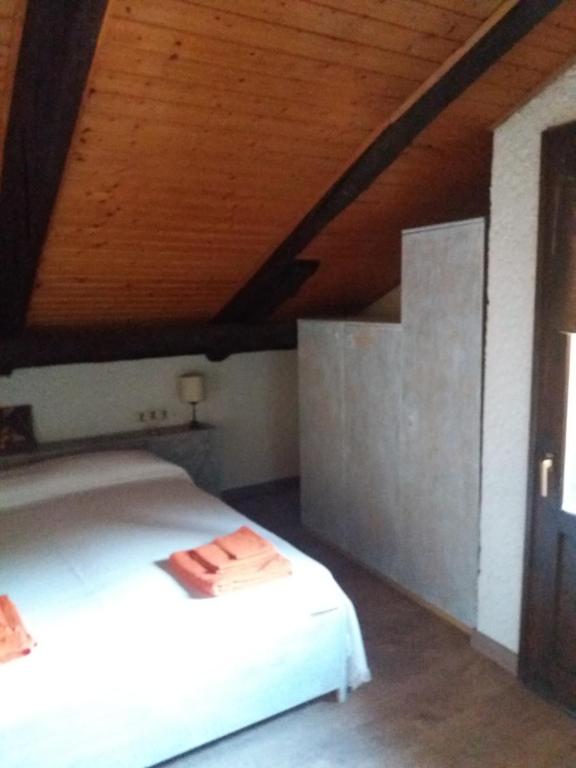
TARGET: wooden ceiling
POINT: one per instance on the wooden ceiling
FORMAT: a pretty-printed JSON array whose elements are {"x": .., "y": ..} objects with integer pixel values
[
  {"x": 209, "y": 128},
  {"x": 11, "y": 18}
]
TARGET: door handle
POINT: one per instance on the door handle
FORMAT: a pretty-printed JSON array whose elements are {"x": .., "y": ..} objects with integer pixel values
[{"x": 546, "y": 467}]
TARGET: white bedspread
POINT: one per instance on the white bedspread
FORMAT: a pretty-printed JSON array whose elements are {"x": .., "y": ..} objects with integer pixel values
[{"x": 127, "y": 660}]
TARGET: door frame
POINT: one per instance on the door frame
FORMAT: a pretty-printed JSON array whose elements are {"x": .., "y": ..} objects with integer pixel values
[{"x": 551, "y": 139}]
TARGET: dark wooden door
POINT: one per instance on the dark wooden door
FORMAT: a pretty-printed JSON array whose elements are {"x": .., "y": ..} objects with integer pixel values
[{"x": 548, "y": 652}]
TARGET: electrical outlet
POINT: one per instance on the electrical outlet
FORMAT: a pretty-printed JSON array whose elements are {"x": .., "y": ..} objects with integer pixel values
[{"x": 154, "y": 415}]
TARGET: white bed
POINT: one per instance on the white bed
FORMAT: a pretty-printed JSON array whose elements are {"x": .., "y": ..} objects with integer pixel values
[{"x": 130, "y": 669}]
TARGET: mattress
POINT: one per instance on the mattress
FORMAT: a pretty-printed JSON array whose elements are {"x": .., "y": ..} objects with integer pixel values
[{"x": 131, "y": 668}]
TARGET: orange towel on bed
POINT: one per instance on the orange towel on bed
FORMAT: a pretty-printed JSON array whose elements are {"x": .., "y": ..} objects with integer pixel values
[
  {"x": 241, "y": 551},
  {"x": 244, "y": 543},
  {"x": 14, "y": 640},
  {"x": 229, "y": 563}
]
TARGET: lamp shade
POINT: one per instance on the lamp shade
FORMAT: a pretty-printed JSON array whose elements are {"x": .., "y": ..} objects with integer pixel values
[{"x": 191, "y": 388}]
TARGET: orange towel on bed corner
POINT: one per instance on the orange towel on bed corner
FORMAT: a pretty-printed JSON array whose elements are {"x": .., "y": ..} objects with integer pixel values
[
  {"x": 14, "y": 639},
  {"x": 229, "y": 563},
  {"x": 241, "y": 551},
  {"x": 244, "y": 543}
]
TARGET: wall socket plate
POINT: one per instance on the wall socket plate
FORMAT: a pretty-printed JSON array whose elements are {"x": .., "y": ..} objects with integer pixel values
[{"x": 155, "y": 415}]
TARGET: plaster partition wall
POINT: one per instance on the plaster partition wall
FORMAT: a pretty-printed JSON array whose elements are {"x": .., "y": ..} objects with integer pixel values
[
  {"x": 390, "y": 424},
  {"x": 442, "y": 321},
  {"x": 252, "y": 400},
  {"x": 350, "y": 410},
  {"x": 510, "y": 321}
]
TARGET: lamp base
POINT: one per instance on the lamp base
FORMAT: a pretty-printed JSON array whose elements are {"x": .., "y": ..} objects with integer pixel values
[{"x": 194, "y": 424}]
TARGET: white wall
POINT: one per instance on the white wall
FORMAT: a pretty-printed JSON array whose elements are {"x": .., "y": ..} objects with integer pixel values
[
  {"x": 511, "y": 285},
  {"x": 251, "y": 398}
]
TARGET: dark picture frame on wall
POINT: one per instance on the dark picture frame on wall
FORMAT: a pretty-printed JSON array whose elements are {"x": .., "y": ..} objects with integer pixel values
[{"x": 16, "y": 429}]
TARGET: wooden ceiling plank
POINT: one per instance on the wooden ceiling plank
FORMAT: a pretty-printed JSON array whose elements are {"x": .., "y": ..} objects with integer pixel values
[
  {"x": 342, "y": 25},
  {"x": 510, "y": 23},
  {"x": 203, "y": 197},
  {"x": 79, "y": 217},
  {"x": 531, "y": 56},
  {"x": 176, "y": 95},
  {"x": 518, "y": 76},
  {"x": 6, "y": 31},
  {"x": 114, "y": 106},
  {"x": 57, "y": 46},
  {"x": 478, "y": 9},
  {"x": 345, "y": 127},
  {"x": 211, "y": 188},
  {"x": 204, "y": 286},
  {"x": 553, "y": 37},
  {"x": 122, "y": 137},
  {"x": 411, "y": 14},
  {"x": 213, "y": 85},
  {"x": 211, "y": 168},
  {"x": 178, "y": 279},
  {"x": 122, "y": 301},
  {"x": 564, "y": 16},
  {"x": 195, "y": 74},
  {"x": 81, "y": 264},
  {"x": 125, "y": 135},
  {"x": 231, "y": 26},
  {"x": 185, "y": 48},
  {"x": 219, "y": 79},
  {"x": 167, "y": 236}
]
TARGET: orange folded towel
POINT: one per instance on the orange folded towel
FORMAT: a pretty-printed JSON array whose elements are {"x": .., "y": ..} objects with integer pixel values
[
  {"x": 244, "y": 543},
  {"x": 217, "y": 559},
  {"x": 230, "y": 563},
  {"x": 196, "y": 576},
  {"x": 212, "y": 557},
  {"x": 14, "y": 639}
]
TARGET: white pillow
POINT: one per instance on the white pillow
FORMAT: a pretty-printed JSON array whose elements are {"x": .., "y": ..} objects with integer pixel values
[{"x": 84, "y": 472}]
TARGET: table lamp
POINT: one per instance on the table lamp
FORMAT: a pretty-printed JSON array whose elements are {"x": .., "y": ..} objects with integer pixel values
[{"x": 191, "y": 390}]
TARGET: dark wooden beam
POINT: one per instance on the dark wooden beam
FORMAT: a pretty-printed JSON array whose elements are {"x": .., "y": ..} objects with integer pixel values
[
  {"x": 495, "y": 38},
  {"x": 58, "y": 43},
  {"x": 288, "y": 280},
  {"x": 58, "y": 346}
]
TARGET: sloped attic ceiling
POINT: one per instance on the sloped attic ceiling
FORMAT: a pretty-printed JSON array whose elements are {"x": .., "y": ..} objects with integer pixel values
[{"x": 208, "y": 129}]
